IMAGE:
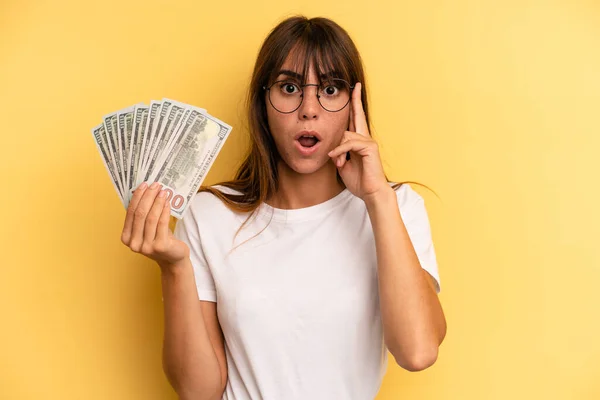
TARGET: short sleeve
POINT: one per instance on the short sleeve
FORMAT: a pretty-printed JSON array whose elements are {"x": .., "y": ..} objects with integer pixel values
[
  {"x": 187, "y": 230},
  {"x": 415, "y": 217}
]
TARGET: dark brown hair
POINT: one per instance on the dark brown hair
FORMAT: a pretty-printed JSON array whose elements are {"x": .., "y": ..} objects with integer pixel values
[{"x": 316, "y": 41}]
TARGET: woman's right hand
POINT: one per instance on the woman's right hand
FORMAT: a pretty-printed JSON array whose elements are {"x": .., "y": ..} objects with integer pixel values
[{"x": 146, "y": 228}]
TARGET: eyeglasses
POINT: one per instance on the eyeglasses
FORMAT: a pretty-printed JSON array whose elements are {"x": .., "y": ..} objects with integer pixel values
[{"x": 286, "y": 95}]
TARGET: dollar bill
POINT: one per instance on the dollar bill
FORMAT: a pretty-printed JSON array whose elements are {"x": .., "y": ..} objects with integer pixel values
[
  {"x": 99, "y": 134},
  {"x": 185, "y": 165},
  {"x": 167, "y": 130},
  {"x": 157, "y": 130},
  {"x": 110, "y": 126},
  {"x": 124, "y": 125},
  {"x": 190, "y": 113},
  {"x": 167, "y": 141},
  {"x": 140, "y": 116},
  {"x": 183, "y": 128},
  {"x": 167, "y": 116},
  {"x": 148, "y": 129}
]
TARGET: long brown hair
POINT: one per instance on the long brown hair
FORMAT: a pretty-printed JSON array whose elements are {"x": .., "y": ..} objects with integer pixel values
[{"x": 317, "y": 41}]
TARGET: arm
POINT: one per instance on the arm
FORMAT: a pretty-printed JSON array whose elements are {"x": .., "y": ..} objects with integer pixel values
[
  {"x": 413, "y": 320},
  {"x": 193, "y": 349}
]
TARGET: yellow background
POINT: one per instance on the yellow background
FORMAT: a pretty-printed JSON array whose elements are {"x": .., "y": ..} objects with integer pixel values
[{"x": 493, "y": 104}]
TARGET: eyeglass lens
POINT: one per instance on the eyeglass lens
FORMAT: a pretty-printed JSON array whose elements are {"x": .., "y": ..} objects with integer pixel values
[{"x": 286, "y": 95}]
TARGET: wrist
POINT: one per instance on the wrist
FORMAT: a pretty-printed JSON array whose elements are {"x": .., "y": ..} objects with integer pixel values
[
  {"x": 174, "y": 268},
  {"x": 381, "y": 197}
]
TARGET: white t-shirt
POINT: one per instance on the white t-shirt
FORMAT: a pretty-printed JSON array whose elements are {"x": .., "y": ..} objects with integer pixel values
[{"x": 298, "y": 304}]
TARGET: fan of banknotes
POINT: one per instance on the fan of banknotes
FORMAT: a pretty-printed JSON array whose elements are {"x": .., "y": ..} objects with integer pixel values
[{"x": 167, "y": 141}]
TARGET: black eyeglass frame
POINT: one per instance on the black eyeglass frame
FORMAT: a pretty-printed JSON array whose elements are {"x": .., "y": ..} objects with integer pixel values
[{"x": 301, "y": 87}]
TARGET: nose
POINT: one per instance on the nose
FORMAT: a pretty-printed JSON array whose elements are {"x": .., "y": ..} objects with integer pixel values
[{"x": 310, "y": 107}]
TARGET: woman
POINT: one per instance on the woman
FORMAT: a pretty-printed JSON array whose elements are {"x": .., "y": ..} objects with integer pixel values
[{"x": 310, "y": 265}]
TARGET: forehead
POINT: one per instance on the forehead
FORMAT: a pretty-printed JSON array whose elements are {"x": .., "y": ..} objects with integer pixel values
[
  {"x": 295, "y": 62},
  {"x": 294, "y": 66}
]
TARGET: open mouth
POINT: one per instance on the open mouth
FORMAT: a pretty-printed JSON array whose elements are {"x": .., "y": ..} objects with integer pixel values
[{"x": 308, "y": 141}]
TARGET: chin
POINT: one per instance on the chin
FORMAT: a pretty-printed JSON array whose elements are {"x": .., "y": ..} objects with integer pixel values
[{"x": 306, "y": 166}]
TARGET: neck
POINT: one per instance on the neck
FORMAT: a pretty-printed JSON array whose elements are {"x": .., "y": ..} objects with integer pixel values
[{"x": 305, "y": 190}]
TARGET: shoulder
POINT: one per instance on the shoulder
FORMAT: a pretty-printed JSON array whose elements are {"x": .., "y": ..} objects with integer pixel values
[
  {"x": 406, "y": 195},
  {"x": 206, "y": 205}
]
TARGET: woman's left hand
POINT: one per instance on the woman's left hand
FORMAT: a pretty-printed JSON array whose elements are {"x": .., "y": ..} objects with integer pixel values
[{"x": 363, "y": 174}]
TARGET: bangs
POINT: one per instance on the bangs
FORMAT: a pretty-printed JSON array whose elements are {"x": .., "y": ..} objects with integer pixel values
[{"x": 316, "y": 47}]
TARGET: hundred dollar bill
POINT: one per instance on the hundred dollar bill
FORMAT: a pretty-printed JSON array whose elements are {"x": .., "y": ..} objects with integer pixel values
[
  {"x": 190, "y": 112},
  {"x": 156, "y": 132},
  {"x": 185, "y": 124},
  {"x": 185, "y": 165},
  {"x": 166, "y": 131},
  {"x": 140, "y": 115},
  {"x": 99, "y": 134},
  {"x": 148, "y": 129},
  {"x": 110, "y": 126},
  {"x": 124, "y": 125},
  {"x": 170, "y": 115},
  {"x": 183, "y": 128}
]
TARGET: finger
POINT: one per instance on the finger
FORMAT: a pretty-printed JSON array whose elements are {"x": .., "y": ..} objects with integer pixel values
[
  {"x": 349, "y": 135},
  {"x": 133, "y": 203},
  {"x": 351, "y": 124},
  {"x": 345, "y": 156},
  {"x": 355, "y": 145},
  {"x": 359, "y": 118},
  {"x": 162, "y": 231},
  {"x": 153, "y": 217},
  {"x": 342, "y": 158},
  {"x": 140, "y": 215}
]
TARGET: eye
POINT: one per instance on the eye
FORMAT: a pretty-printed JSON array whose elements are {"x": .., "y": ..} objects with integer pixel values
[
  {"x": 288, "y": 87},
  {"x": 330, "y": 90}
]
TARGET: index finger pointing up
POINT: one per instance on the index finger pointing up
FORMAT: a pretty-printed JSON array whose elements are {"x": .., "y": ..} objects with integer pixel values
[{"x": 358, "y": 113}]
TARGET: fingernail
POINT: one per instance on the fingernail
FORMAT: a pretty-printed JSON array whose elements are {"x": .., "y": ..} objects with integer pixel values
[
  {"x": 154, "y": 185},
  {"x": 143, "y": 186},
  {"x": 162, "y": 193}
]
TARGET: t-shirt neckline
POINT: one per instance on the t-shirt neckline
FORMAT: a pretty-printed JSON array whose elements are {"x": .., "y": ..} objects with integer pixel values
[{"x": 305, "y": 213}]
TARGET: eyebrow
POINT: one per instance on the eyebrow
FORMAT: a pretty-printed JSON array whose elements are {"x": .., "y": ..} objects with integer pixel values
[{"x": 299, "y": 76}]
